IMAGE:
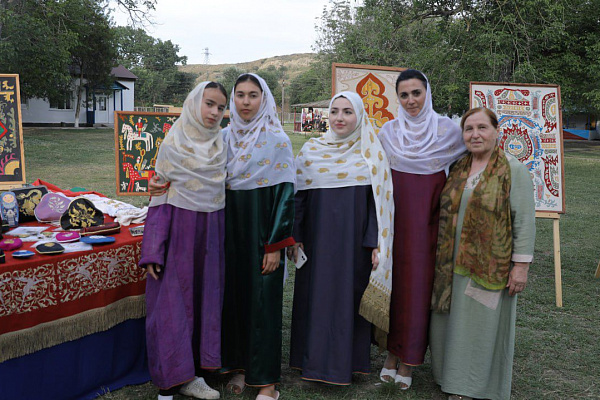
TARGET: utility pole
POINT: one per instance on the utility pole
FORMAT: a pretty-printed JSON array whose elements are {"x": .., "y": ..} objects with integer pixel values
[
  {"x": 282, "y": 100},
  {"x": 206, "y": 60}
]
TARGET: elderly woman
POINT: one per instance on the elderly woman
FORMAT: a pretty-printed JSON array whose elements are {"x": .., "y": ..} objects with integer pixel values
[
  {"x": 485, "y": 245},
  {"x": 420, "y": 145},
  {"x": 342, "y": 180}
]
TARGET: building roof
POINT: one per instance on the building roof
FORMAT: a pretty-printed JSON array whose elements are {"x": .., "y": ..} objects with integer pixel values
[
  {"x": 314, "y": 104},
  {"x": 121, "y": 72}
]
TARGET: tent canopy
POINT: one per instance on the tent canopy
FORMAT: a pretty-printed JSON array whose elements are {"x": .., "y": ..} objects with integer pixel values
[{"x": 314, "y": 104}]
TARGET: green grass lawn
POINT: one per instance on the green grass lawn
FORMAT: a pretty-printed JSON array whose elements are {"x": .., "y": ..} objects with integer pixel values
[{"x": 558, "y": 349}]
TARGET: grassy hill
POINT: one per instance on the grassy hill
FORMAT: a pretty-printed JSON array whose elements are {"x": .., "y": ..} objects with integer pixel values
[{"x": 295, "y": 64}]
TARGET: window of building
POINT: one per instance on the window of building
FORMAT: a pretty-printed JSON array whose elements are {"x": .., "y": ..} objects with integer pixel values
[
  {"x": 62, "y": 103},
  {"x": 101, "y": 103}
]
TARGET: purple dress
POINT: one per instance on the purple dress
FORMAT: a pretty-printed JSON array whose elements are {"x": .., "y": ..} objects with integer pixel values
[
  {"x": 338, "y": 228},
  {"x": 183, "y": 317}
]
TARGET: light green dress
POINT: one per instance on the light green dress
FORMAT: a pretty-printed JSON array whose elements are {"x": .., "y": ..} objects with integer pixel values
[{"x": 472, "y": 347}]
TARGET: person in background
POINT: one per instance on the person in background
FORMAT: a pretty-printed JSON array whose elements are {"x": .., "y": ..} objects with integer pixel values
[{"x": 485, "y": 245}]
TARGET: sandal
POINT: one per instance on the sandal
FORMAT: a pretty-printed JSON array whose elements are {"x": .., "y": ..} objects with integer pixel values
[
  {"x": 237, "y": 384},
  {"x": 387, "y": 372},
  {"x": 406, "y": 380}
]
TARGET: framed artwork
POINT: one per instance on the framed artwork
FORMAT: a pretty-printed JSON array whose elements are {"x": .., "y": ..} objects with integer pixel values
[
  {"x": 138, "y": 136},
  {"x": 375, "y": 85},
  {"x": 12, "y": 156},
  {"x": 530, "y": 121}
]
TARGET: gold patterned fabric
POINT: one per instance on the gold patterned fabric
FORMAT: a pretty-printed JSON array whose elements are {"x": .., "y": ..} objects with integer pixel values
[
  {"x": 259, "y": 152},
  {"x": 192, "y": 158},
  {"x": 28, "y": 198},
  {"x": 485, "y": 247},
  {"x": 81, "y": 213},
  {"x": 357, "y": 160}
]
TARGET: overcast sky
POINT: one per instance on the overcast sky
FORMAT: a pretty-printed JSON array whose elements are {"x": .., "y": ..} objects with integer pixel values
[{"x": 235, "y": 30}]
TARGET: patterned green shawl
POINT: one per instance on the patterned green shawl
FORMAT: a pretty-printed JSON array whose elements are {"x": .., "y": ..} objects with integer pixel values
[{"x": 485, "y": 247}]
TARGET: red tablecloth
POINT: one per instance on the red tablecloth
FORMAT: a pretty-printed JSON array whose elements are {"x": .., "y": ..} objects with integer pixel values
[{"x": 49, "y": 299}]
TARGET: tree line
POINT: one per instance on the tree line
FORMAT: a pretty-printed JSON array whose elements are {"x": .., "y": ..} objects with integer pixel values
[
  {"x": 457, "y": 41},
  {"x": 50, "y": 42}
]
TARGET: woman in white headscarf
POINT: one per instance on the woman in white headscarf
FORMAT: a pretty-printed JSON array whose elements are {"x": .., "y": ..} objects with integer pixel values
[
  {"x": 420, "y": 145},
  {"x": 259, "y": 220},
  {"x": 344, "y": 213},
  {"x": 183, "y": 249}
]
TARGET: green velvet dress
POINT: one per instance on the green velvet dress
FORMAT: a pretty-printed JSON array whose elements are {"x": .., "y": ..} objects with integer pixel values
[{"x": 257, "y": 221}]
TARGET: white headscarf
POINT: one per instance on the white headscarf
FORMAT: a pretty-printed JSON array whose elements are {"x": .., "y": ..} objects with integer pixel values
[
  {"x": 192, "y": 157},
  {"x": 424, "y": 144},
  {"x": 259, "y": 151},
  {"x": 357, "y": 160}
]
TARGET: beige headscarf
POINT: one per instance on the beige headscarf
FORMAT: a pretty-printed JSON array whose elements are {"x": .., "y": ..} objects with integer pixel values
[
  {"x": 192, "y": 157},
  {"x": 357, "y": 160}
]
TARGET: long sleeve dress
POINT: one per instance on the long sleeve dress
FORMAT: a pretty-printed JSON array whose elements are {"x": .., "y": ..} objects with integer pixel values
[
  {"x": 417, "y": 199},
  {"x": 472, "y": 346},
  {"x": 338, "y": 227},
  {"x": 183, "y": 316},
  {"x": 257, "y": 221}
]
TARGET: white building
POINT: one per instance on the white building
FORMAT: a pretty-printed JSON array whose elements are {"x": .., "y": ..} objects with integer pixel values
[{"x": 99, "y": 109}]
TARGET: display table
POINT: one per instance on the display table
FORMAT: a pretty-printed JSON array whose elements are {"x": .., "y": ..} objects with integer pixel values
[{"x": 72, "y": 325}]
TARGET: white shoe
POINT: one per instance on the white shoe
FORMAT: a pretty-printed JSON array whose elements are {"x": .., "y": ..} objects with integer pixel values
[
  {"x": 199, "y": 389},
  {"x": 390, "y": 373},
  {"x": 406, "y": 380}
]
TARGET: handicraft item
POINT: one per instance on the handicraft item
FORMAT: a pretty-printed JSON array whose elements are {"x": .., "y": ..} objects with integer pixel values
[
  {"x": 106, "y": 229},
  {"x": 23, "y": 254},
  {"x": 49, "y": 248},
  {"x": 10, "y": 244},
  {"x": 9, "y": 208},
  {"x": 65, "y": 237},
  {"x": 28, "y": 199},
  {"x": 51, "y": 207},
  {"x": 81, "y": 214},
  {"x": 98, "y": 239}
]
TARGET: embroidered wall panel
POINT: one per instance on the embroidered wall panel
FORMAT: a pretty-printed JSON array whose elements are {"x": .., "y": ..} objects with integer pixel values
[
  {"x": 137, "y": 139},
  {"x": 12, "y": 157},
  {"x": 530, "y": 121},
  {"x": 375, "y": 85}
]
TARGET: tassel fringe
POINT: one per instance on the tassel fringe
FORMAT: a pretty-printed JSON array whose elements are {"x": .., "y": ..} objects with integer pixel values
[{"x": 30, "y": 340}]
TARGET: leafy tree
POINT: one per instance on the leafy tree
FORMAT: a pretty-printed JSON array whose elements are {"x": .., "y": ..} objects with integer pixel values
[
  {"x": 93, "y": 53},
  {"x": 272, "y": 76},
  {"x": 35, "y": 43},
  {"x": 139, "y": 11},
  {"x": 312, "y": 85},
  {"x": 39, "y": 38},
  {"x": 457, "y": 41},
  {"x": 155, "y": 63},
  {"x": 229, "y": 76}
]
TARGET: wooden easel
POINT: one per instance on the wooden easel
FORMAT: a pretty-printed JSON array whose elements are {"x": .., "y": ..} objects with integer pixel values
[{"x": 555, "y": 217}]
